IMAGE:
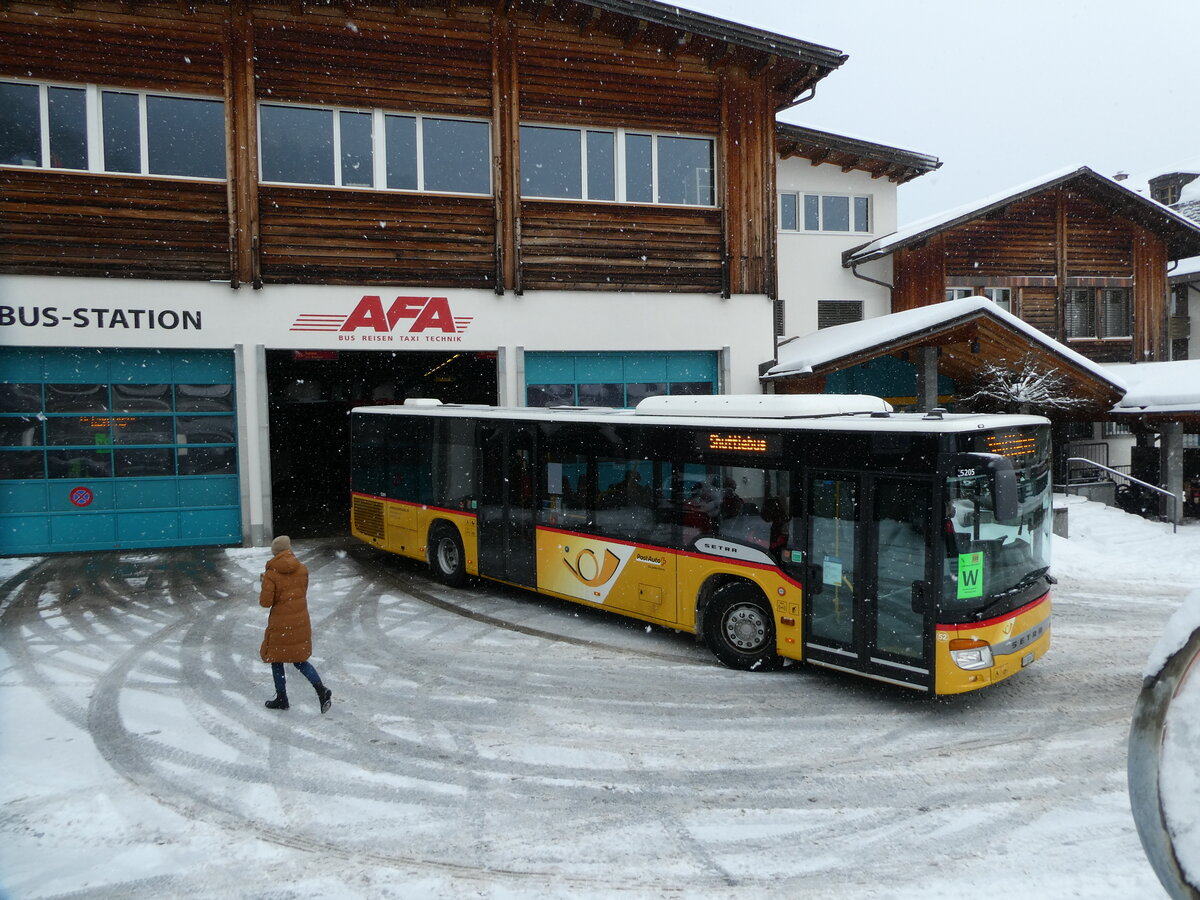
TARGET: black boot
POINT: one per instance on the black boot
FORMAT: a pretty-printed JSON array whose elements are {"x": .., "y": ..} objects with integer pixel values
[
  {"x": 280, "y": 702},
  {"x": 324, "y": 696}
]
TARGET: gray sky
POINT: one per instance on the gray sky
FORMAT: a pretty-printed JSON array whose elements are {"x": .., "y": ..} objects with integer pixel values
[{"x": 1001, "y": 92}]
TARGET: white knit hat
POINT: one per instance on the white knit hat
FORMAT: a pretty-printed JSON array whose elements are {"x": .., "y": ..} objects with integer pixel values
[{"x": 280, "y": 544}]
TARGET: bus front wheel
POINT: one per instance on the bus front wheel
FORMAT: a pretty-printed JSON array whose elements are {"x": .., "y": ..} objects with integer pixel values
[
  {"x": 446, "y": 556},
  {"x": 740, "y": 629}
]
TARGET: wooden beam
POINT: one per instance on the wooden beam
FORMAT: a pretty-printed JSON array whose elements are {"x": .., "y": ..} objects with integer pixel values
[
  {"x": 721, "y": 51},
  {"x": 588, "y": 22},
  {"x": 817, "y": 158},
  {"x": 632, "y": 36},
  {"x": 768, "y": 62}
]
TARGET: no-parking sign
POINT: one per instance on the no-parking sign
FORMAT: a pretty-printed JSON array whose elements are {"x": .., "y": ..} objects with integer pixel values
[{"x": 81, "y": 496}]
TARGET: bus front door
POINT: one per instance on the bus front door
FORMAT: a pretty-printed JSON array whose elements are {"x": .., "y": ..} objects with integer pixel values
[
  {"x": 867, "y": 590},
  {"x": 505, "y": 523}
]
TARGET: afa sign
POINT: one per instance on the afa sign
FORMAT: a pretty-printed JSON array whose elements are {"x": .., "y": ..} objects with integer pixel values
[{"x": 407, "y": 320}]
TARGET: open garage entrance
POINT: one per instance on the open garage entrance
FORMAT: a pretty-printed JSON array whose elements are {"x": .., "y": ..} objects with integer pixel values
[{"x": 310, "y": 395}]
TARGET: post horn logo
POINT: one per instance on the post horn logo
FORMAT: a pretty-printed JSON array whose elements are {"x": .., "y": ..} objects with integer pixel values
[{"x": 591, "y": 571}]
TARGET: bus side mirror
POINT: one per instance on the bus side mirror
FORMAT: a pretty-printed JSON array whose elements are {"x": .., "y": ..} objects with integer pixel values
[
  {"x": 1004, "y": 489},
  {"x": 1000, "y": 473}
]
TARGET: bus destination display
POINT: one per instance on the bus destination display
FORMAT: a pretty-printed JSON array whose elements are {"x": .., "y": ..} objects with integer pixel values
[
  {"x": 1012, "y": 444},
  {"x": 729, "y": 442}
]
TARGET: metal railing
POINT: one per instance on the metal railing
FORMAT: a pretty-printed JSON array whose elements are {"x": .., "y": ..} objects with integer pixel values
[{"x": 1139, "y": 483}]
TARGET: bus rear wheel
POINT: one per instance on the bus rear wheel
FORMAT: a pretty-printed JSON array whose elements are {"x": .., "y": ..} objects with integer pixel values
[
  {"x": 446, "y": 556},
  {"x": 740, "y": 629}
]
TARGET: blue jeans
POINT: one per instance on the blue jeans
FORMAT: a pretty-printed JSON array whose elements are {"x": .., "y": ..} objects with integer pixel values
[{"x": 306, "y": 669}]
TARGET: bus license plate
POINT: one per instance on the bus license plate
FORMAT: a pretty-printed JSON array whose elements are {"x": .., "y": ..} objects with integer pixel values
[{"x": 1026, "y": 659}]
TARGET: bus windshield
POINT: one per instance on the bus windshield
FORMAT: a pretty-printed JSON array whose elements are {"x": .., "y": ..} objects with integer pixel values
[{"x": 991, "y": 565}]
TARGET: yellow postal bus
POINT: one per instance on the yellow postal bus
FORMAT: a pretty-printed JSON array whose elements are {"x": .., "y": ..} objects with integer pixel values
[{"x": 908, "y": 548}]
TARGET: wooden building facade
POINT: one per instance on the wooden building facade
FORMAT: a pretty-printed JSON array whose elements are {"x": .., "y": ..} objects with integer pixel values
[
  {"x": 226, "y": 223},
  {"x": 623, "y": 67},
  {"x": 1078, "y": 256}
]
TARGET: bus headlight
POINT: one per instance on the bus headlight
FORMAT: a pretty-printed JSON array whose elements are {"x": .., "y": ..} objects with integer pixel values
[{"x": 971, "y": 654}]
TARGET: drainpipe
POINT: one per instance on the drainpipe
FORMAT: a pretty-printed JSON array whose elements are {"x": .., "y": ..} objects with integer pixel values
[{"x": 857, "y": 274}]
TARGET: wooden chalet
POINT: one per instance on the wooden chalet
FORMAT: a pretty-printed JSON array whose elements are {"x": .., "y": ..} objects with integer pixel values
[
  {"x": 630, "y": 64},
  {"x": 1076, "y": 255},
  {"x": 524, "y": 202}
]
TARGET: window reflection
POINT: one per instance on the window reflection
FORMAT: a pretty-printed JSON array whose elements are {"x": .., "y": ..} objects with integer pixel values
[
  {"x": 203, "y": 397},
  {"x": 76, "y": 397},
  {"x": 357, "y": 161},
  {"x": 550, "y": 395},
  {"x": 122, "y": 135},
  {"x": 185, "y": 136},
  {"x": 144, "y": 463},
  {"x": 16, "y": 464},
  {"x": 68, "y": 127},
  {"x": 685, "y": 171},
  {"x": 601, "y": 395},
  {"x": 601, "y": 165},
  {"x": 20, "y": 398},
  {"x": 639, "y": 168},
  {"x": 79, "y": 463},
  {"x": 297, "y": 144},
  {"x": 207, "y": 460},
  {"x": 143, "y": 430},
  {"x": 78, "y": 430},
  {"x": 456, "y": 155},
  {"x": 551, "y": 162},
  {"x": 20, "y": 125},
  {"x": 400, "y": 135},
  {"x": 141, "y": 397},
  {"x": 20, "y": 431},
  {"x": 206, "y": 430}
]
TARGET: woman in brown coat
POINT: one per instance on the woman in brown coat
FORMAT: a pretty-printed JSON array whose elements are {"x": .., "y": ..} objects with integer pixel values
[{"x": 288, "y": 638}]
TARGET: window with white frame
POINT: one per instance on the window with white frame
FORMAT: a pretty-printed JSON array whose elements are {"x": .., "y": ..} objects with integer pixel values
[
  {"x": 563, "y": 162},
  {"x": 1001, "y": 296},
  {"x": 89, "y": 128},
  {"x": 1098, "y": 313},
  {"x": 844, "y": 213},
  {"x": 371, "y": 148}
]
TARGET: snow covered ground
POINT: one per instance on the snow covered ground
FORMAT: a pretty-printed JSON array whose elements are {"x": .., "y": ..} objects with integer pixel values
[{"x": 486, "y": 742}]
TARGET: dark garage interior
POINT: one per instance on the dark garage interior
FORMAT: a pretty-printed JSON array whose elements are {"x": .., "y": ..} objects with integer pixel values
[{"x": 310, "y": 395}]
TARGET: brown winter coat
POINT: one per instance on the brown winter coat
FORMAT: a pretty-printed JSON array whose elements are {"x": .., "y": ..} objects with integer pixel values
[{"x": 288, "y": 638}]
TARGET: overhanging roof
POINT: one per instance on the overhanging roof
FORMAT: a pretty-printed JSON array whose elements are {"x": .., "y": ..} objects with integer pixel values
[
  {"x": 879, "y": 160},
  {"x": 1182, "y": 235},
  {"x": 1161, "y": 391},
  {"x": 968, "y": 332},
  {"x": 792, "y": 66}
]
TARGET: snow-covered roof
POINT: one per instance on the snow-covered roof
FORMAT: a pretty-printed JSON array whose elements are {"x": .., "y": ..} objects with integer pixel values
[
  {"x": 923, "y": 228},
  {"x": 1186, "y": 267},
  {"x": 1160, "y": 387},
  {"x": 800, "y": 356}
]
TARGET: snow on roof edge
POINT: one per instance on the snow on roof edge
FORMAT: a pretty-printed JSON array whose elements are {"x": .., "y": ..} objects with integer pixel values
[{"x": 800, "y": 355}]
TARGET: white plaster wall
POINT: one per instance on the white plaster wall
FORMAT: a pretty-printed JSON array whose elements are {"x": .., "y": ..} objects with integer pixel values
[
  {"x": 738, "y": 329},
  {"x": 810, "y": 263}
]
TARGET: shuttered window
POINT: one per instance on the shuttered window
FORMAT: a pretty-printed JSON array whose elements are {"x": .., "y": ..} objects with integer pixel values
[{"x": 838, "y": 312}]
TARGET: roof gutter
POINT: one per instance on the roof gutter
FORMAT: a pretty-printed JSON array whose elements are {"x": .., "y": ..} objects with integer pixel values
[{"x": 812, "y": 92}]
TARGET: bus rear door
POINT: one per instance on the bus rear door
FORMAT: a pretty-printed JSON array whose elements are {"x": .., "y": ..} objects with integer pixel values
[
  {"x": 506, "y": 533},
  {"x": 868, "y": 580}
]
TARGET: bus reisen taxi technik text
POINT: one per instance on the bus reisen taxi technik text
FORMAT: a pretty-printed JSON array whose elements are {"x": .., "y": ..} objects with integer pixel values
[{"x": 912, "y": 549}]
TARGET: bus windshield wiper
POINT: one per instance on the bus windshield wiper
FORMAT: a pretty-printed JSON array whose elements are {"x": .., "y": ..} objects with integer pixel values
[{"x": 1003, "y": 597}]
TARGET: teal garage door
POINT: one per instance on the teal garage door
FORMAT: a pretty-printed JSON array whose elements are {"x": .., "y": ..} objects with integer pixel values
[
  {"x": 115, "y": 449},
  {"x": 615, "y": 379}
]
